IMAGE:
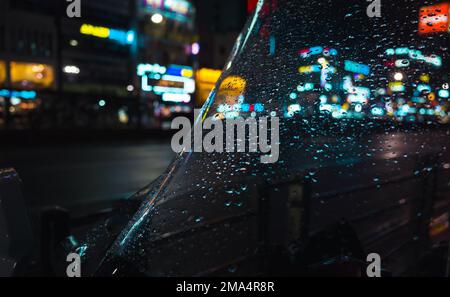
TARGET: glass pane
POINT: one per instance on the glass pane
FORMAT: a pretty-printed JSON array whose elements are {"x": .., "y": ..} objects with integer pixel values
[{"x": 363, "y": 105}]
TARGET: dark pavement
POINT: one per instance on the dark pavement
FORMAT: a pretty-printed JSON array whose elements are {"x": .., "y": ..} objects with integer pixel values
[{"x": 86, "y": 176}]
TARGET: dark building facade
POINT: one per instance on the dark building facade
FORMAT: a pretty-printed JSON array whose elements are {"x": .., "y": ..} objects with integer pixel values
[
  {"x": 97, "y": 54},
  {"x": 219, "y": 24}
]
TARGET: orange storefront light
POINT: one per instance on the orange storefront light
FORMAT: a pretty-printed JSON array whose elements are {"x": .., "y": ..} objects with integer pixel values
[
  {"x": 2, "y": 72},
  {"x": 31, "y": 75},
  {"x": 434, "y": 18},
  {"x": 206, "y": 80}
]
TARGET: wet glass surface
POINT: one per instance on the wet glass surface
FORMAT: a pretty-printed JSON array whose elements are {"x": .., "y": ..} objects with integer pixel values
[{"x": 363, "y": 105}]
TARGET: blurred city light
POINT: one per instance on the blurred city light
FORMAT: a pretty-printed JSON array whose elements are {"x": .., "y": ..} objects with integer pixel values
[
  {"x": 70, "y": 69},
  {"x": 174, "y": 83},
  {"x": 73, "y": 42},
  {"x": 2, "y": 72},
  {"x": 195, "y": 48},
  {"x": 18, "y": 94},
  {"x": 120, "y": 36},
  {"x": 31, "y": 75},
  {"x": 169, "y": 97},
  {"x": 434, "y": 19},
  {"x": 398, "y": 76},
  {"x": 206, "y": 79},
  {"x": 177, "y": 10},
  {"x": 157, "y": 18}
]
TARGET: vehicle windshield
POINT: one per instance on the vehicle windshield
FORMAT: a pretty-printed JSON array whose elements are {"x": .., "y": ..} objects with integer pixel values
[{"x": 352, "y": 91}]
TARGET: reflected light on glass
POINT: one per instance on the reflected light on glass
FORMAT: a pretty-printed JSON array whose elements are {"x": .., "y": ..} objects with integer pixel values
[
  {"x": 195, "y": 48},
  {"x": 398, "y": 76}
]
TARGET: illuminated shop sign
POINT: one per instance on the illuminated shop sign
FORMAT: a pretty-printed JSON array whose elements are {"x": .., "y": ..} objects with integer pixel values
[
  {"x": 348, "y": 98},
  {"x": 233, "y": 111},
  {"x": 397, "y": 87},
  {"x": 153, "y": 68},
  {"x": 415, "y": 55},
  {"x": 444, "y": 94},
  {"x": 18, "y": 94},
  {"x": 356, "y": 97},
  {"x": 360, "y": 95},
  {"x": 2, "y": 72},
  {"x": 208, "y": 76},
  {"x": 310, "y": 69},
  {"x": 206, "y": 79},
  {"x": 317, "y": 50},
  {"x": 354, "y": 67},
  {"x": 416, "y": 100},
  {"x": 241, "y": 107},
  {"x": 30, "y": 75},
  {"x": 231, "y": 91},
  {"x": 180, "y": 10},
  {"x": 174, "y": 83},
  {"x": 120, "y": 36},
  {"x": 377, "y": 111},
  {"x": 424, "y": 88},
  {"x": 434, "y": 19}
]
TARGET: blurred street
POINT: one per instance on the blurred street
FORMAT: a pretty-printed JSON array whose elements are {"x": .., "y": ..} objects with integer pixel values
[
  {"x": 84, "y": 100},
  {"x": 86, "y": 175}
]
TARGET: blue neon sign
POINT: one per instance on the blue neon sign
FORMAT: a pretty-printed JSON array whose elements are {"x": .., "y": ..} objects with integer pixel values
[
  {"x": 356, "y": 67},
  {"x": 122, "y": 37},
  {"x": 18, "y": 94}
]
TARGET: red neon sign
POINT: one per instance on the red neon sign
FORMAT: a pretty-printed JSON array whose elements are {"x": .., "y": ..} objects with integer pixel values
[{"x": 434, "y": 18}]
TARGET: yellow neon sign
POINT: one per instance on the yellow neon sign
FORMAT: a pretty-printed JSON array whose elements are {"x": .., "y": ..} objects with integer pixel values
[
  {"x": 187, "y": 73},
  {"x": 100, "y": 32},
  {"x": 206, "y": 75}
]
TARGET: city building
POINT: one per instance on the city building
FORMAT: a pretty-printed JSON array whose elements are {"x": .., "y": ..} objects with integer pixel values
[
  {"x": 27, "y": 60},
  {"x": 82, "y": 73},
  {"x": 98, "y": 53},
  {"x": 168, "y": 51}
]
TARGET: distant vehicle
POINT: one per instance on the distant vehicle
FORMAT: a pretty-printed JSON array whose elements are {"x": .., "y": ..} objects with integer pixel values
[{"x": 364, "y": 165}]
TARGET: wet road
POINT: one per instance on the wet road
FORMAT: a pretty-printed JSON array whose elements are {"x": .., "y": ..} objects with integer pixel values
[{"x": 86, "y": 175}]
